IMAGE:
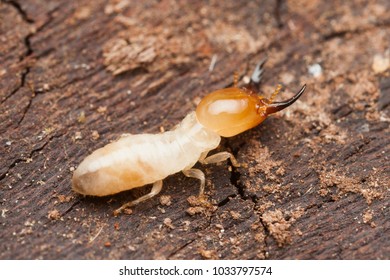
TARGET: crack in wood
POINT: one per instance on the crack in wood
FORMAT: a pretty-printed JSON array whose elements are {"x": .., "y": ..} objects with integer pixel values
[
  {"x": 235, "y": 177},
  {"x": 31, "y": 154},
  {"x": 277, "y": 12},
  {"x": 20, "y": 10},
  {"x": 225, "y": 200},
  {"x": 180, "y": 248},
  {"x": 235, "y": 181},
  {"x": 27, "y": 107},
  {"x": 27, "y": 44},
  {"x": 266, "y": 232},
  {"x": 29, "y": 50},
  {"x": 364, "y": 29},
  {"x": 71, "y": 208}
]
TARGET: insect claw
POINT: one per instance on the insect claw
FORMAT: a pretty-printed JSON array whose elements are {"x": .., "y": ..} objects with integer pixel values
[
  {"x": 277, "y": 106},
  {"x": 256, "y": 77},
  {"x": 258, "y": 72}
]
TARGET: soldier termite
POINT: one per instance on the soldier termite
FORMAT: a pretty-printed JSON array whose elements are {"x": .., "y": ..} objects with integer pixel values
[{"x": 137, "y": 160}]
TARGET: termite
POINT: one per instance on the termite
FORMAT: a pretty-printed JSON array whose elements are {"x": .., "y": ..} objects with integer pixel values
[{"x": 137, "y": 160}]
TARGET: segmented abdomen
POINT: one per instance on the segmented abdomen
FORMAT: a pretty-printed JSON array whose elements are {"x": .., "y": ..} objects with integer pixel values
[{"x": 137, "y": 160}]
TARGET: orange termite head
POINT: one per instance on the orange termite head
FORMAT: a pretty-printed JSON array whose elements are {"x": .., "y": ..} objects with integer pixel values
[{"x": 231, "y": 111}]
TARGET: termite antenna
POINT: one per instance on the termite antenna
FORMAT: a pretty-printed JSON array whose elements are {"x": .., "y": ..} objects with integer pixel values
[
  {"x": 276, "y": 92},
  {"x": 235, "y": 79},
  {"x": 278, "y": 106}
]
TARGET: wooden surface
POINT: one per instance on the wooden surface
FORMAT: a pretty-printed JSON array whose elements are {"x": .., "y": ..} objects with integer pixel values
[{"x": 75, "y": 75}]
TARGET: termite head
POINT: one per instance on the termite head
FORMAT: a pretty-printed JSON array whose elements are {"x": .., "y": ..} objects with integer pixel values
[{"x": 231, "y": 111}]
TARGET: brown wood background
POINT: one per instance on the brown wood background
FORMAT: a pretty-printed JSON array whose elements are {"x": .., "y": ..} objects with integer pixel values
[{"x": 74, "y": 75}]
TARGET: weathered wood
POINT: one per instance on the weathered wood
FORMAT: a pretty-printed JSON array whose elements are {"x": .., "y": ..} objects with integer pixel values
[{"x": 75, "y": 75}]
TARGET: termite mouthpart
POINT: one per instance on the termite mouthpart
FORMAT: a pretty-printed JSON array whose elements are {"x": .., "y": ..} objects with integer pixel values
[{"x": 278, "y": 106}]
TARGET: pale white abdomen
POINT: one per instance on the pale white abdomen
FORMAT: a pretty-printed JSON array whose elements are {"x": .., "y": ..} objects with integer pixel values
[{"x": 136, "y": 160}]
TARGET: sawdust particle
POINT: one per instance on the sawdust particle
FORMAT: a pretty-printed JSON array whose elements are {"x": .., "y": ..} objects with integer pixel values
[
  {"x": 208, "y": 254},
  {"x": 344, "y": 184},
  {"x": 200, "y": 205},
  {"x": 81, "y": 118},
  {"x": 194, "y": 210},
  {"x": 62, "y": 198},
  {"x": 102, "y": 109},
  {"x": 78, "y": 135},
  {"x": 128, "y": 211},
  {"x": 83, "y": 13},
  {"x": 263, "y": 162},
  {"x": 54, "y": 215},
  {"x": 380, "y": 63},
  {"x": 367, "y": 218},
  {"x": 278, "y": 227},
  {"x": 235, "y": 215},
  {"x": 165, "y": 200},
  {"x": 168, "y": 223},
  {"x": 95, "y": 135}
]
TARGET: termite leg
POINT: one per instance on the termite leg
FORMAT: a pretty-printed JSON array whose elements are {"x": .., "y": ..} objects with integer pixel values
[
  {"x": 198, "y": 174},
  {"x": 222, "y": 156},
  {"x": 157, "y": 186}
]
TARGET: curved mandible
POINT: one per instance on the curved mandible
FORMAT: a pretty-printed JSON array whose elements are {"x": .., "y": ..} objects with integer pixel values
[{"x": 278, "y": 106}]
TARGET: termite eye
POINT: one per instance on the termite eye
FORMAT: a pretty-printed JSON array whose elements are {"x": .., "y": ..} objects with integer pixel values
[{"x": 231, "y": 111}]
